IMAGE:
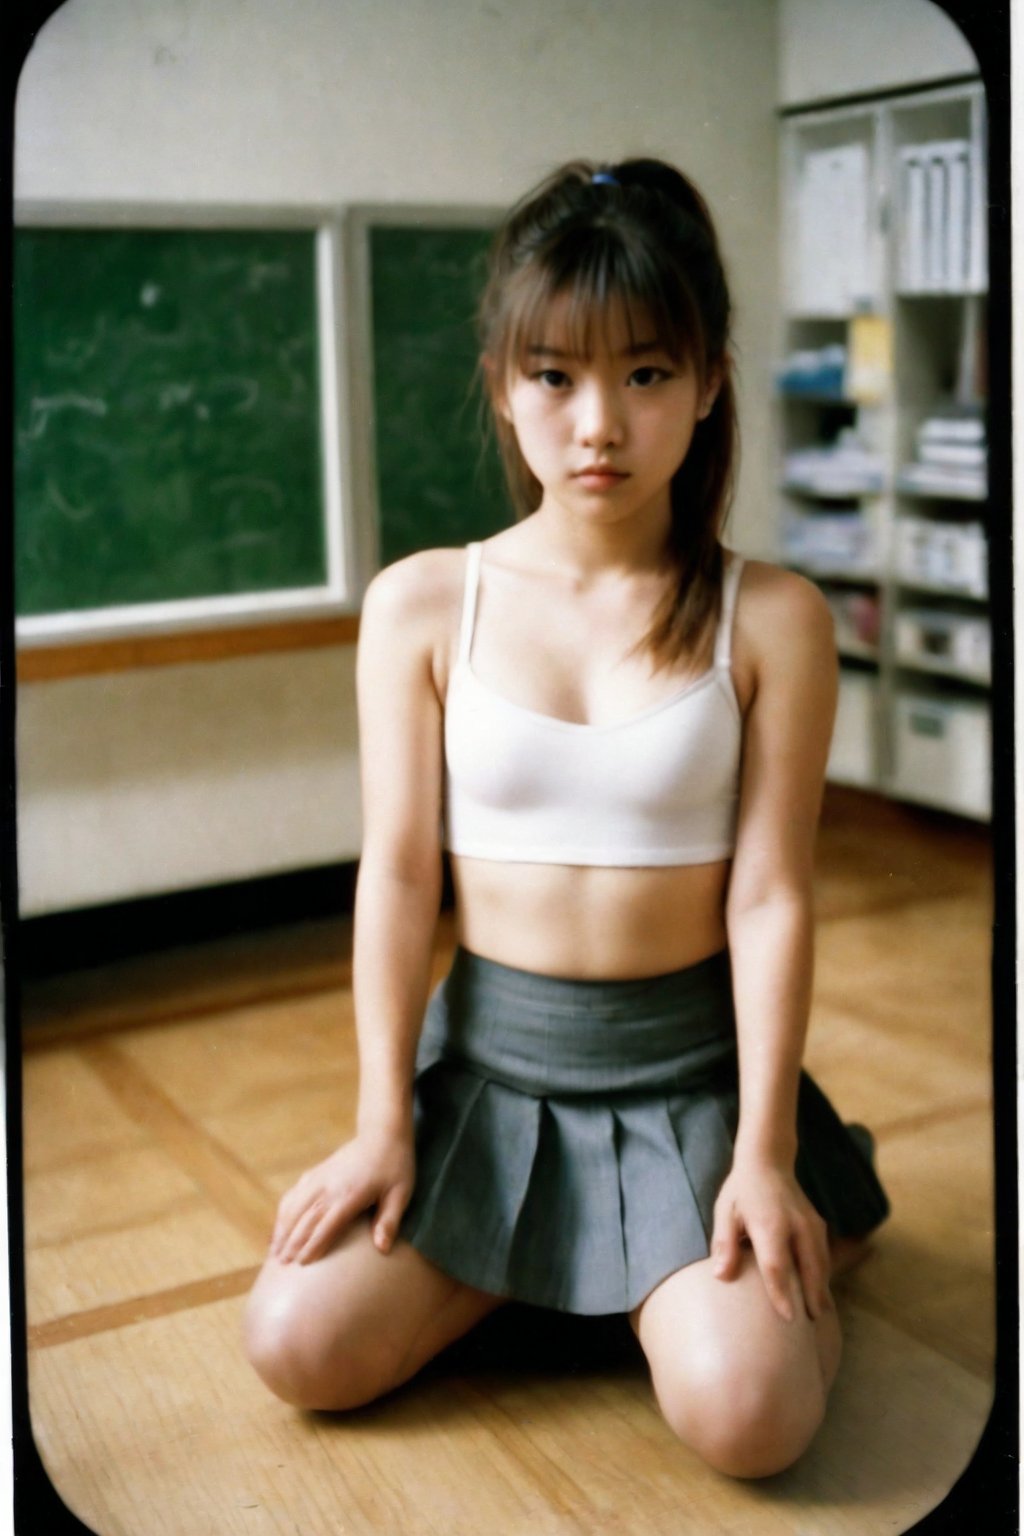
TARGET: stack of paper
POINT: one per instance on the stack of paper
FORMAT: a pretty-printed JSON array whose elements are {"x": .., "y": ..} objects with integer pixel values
[
  {"x": 830, "y": 542},
  {"x": 846, "y": 467},
  {"x": 952, "y": 457},
  {"x": 941, "y": 240}
]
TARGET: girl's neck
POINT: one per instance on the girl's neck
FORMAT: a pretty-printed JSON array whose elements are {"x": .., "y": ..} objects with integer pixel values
[{"x": 637, "y": 545}]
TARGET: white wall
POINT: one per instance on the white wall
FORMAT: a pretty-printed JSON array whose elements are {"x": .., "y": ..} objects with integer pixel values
[
  {"x": 842, "y": 47},
  {"x": 158, "y": 780}
]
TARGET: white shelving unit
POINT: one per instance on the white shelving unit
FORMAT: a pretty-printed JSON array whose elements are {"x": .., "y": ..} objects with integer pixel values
[{"x": 884, "y": 316}]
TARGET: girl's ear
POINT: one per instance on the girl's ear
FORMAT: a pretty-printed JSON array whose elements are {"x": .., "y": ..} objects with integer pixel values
[{"x": 716, "y": 378}]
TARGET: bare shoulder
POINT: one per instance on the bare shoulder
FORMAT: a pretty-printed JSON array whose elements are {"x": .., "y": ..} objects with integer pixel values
[
  {"x": 417, "y": 587},
  {"x": 415, "y": 603},
  {"x": 781, "y": 614}
]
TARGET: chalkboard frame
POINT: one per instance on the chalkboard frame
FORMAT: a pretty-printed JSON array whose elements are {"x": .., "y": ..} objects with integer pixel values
[
  {"x": 340, "y": 592},
  {"x": 361, "y": 219}
]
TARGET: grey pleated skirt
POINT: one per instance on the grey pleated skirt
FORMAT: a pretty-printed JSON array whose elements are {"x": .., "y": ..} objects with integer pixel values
[{"x": 572, "y": 1136}]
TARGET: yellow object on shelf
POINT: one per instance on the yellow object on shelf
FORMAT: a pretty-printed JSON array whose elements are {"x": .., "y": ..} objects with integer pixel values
[{"x": 869, "y": 359}]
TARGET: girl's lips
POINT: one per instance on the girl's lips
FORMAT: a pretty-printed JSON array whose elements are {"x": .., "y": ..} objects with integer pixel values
[{"x": 600, "y": 479}]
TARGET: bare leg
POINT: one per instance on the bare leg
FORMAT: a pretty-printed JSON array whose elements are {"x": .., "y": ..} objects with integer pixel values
[
  {"x": 355, "y": 1323},
  {"x": 742, "y": 1387}
]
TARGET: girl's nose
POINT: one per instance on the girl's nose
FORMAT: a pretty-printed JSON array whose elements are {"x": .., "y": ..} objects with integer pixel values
[{"x": 599, "y": 420}]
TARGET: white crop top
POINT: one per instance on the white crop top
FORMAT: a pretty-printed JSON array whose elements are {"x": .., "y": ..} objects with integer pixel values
[{"x": 658, "y": 788}]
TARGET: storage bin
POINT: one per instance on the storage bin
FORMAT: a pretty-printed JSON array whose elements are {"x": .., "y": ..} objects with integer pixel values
[
  {"x": 829, "y": 541},
  {"x": 952, "y": 555},
  {"x": 959, "y": 641},
  {"x": 852, "y": 757},
  {"x": 943, "y": 752}
]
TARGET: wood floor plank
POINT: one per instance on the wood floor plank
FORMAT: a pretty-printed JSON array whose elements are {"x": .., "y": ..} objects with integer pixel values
[
  {"x": 232, "y": 1460},
  {"x": 70, "y": 1116},
  {"x": 876, "y": 855},
  {"x": 932, "y": 1271},
  {"x": 181, "y": 1437},
  {"x": 252, "y": 1055},
  {"x": 927, "y": 974},
  {"x": 106, "y": 1193},
  {"x": 228, "y": 1184},
  {"x": 123, "y": 1197},
  {"x": 945, "y": 1113},
  {"x": 180, "y": 1298},
  {"x": 876, "y": 1075},
  {"x": 107, "y": 1269}
]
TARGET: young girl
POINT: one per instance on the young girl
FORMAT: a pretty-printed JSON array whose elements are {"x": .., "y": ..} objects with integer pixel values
[{"x": 619, "y": 731}]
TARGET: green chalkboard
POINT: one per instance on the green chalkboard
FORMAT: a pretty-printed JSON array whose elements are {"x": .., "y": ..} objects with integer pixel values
[
  {"x": 167, "y": 433},
  {"x": 439, "y": 479}
]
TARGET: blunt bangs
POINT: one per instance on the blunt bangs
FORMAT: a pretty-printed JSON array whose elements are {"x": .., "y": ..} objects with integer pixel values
[{"x": 601, "y": 271}]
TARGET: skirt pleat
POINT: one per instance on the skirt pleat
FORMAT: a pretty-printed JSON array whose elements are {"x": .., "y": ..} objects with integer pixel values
[
  {"x": 705, "y": 1129},
  {"x": 538, "y": 1178},
  {"x": 570, "y": 1226},
  {"x": 471, "y": 1180},
  {"x": 663, "y": 1221}
]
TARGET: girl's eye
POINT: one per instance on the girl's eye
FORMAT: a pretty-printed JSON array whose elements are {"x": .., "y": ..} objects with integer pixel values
[
  {"x": 552, "y": 378},
  {"x": 648, "y": 375}
]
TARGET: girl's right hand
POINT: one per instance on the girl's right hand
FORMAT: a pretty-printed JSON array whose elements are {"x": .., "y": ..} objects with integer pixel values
[{"x": 371, "y": 1170}]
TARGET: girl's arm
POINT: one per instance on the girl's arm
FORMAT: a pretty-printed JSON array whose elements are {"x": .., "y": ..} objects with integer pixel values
[
  {"x": 399, "y": 889},
  {"x": 397, "y": 901},
  {"x": 769, "y": 918}
]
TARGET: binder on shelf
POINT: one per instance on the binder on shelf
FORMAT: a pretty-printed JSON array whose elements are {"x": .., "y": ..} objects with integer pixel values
[
  {"x": 913, "y": 244},
  {"x": 957, "y": 218},
  {"x": 833, "y": 266},
  {"x": 941, "y": 210},
  {"x": 935, "y": 223}
]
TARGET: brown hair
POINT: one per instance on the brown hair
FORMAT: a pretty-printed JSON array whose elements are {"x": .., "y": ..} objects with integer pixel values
[{"x": 641, "y": 234}]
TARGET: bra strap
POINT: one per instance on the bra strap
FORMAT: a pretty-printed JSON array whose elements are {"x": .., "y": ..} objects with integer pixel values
[
  {"x": 473, "y": 553},
  {"x": 730, "y": 585}
]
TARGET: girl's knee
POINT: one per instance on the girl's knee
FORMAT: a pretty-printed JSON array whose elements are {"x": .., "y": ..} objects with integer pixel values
[
  {"x": 740, "y": 1420},
  {"x": 308, "y": 1364}
]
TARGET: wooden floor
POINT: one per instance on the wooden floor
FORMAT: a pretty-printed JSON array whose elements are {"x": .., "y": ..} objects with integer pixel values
[{"x": 169, "y": 1102}]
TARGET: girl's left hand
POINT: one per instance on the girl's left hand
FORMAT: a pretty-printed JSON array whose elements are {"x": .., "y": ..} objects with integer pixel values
[{"x": 763, "y": 1204}]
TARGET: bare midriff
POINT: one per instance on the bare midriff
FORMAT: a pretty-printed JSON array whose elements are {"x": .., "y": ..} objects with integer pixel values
[{"x": 590, "y": 923}]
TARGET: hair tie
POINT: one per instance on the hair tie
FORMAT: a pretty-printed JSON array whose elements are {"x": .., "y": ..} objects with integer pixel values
[{"x": 604, "y": 178}]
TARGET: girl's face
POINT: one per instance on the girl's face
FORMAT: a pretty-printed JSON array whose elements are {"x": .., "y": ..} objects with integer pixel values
[{"x": 605, "y": 433}]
